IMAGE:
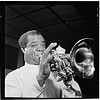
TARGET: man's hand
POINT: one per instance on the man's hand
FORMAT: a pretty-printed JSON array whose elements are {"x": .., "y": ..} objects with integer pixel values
[{"x": 44, "y": 70}]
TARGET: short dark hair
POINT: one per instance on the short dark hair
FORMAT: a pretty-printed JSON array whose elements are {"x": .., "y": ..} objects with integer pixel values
[{"x": 23, "y": 39}]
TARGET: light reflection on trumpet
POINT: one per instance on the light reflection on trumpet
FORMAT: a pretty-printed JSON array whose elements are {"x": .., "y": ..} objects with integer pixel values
[{"x": 80, "y": 61}]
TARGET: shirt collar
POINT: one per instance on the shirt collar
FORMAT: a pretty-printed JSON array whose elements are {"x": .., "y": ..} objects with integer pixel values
[{"x": 30, "y": 65}]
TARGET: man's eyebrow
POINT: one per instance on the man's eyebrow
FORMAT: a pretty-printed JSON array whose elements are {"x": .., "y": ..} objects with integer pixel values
[
  {"x": 43, "y": 41},
  {"x": 33, "y": 42},
  {"x": 37, "y": 41}
]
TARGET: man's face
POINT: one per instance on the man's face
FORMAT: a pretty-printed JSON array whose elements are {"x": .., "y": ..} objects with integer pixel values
[{"x": 34, "y": 49}]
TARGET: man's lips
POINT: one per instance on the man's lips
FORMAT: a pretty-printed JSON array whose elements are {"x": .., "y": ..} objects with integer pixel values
[{"x": 39, "y": 54}]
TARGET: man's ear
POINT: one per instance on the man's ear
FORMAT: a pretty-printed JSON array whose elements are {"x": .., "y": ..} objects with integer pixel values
[{"x": 23, "y": 50}]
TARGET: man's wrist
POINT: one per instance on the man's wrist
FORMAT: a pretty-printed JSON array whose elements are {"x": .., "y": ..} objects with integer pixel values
[
  {"x": 40, "y": 80},
  {"x": 68, "y": 83}
]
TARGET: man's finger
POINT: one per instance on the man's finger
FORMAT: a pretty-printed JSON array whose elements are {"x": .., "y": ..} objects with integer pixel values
[
  {"x": 50, "y": 57},
  {"x": 50, "y": 47}
]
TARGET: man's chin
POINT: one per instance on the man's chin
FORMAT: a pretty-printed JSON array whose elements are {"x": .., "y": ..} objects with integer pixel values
[{"x": 37, "y": 60}]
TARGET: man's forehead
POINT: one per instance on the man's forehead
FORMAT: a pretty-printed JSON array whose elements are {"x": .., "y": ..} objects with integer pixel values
[{"x": 35, "y": 38}]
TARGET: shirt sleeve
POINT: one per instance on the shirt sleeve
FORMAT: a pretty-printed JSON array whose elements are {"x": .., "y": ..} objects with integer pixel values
[
  {"x": 71, "y": 91},
  {"x": 22, "y": 85},
  {"x": 12, "y": 87}
]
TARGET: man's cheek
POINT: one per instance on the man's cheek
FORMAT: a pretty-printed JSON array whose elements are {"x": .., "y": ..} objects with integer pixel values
[
  {"x": 30, "y": 52},
  {"x": 35, "y": 58},
  {"x": 32, "y": 56}
]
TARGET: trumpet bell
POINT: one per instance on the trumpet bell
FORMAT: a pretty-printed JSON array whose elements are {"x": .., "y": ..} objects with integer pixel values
[{"x": 82, "y": 58}]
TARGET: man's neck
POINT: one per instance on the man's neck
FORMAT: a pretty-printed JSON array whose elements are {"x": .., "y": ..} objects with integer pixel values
[{"x": 31, "y": 61}]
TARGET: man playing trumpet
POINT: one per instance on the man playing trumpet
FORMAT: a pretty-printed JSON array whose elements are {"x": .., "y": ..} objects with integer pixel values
[{"x": 34, "y": 79}]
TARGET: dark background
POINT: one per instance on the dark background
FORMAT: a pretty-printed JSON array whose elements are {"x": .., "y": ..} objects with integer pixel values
[
  {"x": 61, "y": 22},
  {"x": 11, "y": 57}
]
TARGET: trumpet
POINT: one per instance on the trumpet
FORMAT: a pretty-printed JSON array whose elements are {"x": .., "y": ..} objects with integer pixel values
[{"x": 80, "y": 60}]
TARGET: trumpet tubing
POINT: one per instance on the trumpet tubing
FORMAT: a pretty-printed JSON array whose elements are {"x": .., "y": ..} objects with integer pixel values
[{"x": 81, "y": 61}]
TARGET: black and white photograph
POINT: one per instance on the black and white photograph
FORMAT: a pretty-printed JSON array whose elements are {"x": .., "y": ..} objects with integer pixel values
[{"x": 51, "y": 49}]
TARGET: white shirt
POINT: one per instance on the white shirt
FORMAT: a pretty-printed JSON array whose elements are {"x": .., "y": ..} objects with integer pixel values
[{"x": 22, "y": 82}]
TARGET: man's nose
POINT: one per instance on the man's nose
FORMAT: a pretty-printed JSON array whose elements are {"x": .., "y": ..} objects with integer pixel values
[{"x": 40, "y": 48}]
